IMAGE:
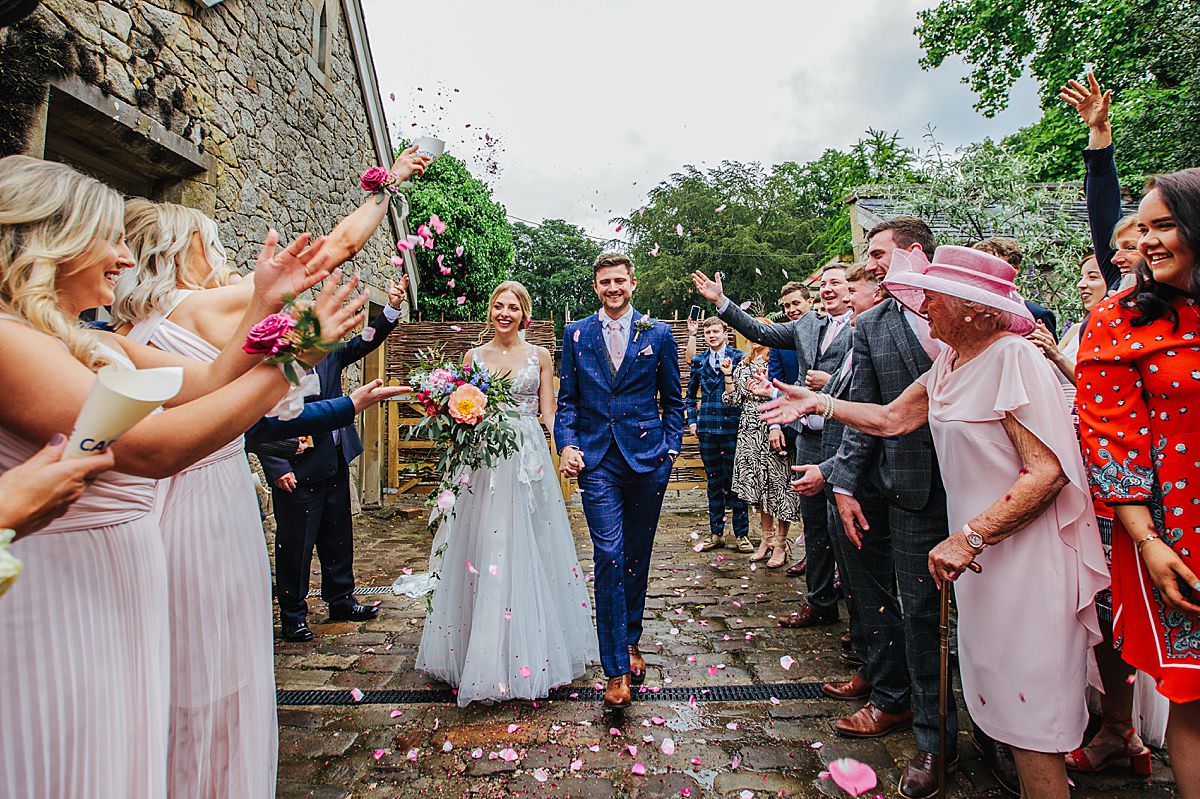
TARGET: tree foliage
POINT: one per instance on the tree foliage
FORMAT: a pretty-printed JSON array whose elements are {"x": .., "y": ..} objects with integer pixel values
[
  {"x": 475, "y": 222},
  {"x": 1147, "y": 51},
  {"x": 554, "y": 261}
]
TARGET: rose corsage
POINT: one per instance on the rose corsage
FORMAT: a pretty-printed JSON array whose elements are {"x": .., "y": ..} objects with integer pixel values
[
  {"x": 281, "y": 338},
  {"x": 380, "y": 182}
]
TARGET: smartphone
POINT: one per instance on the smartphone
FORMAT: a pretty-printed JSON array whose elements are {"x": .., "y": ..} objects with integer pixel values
[{"x": 694, "y": 313}]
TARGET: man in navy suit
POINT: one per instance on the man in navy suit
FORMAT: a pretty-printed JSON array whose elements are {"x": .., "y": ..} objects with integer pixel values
[
  {"x": 311, "y": 496},
  {"x": 619, "y": 428}
]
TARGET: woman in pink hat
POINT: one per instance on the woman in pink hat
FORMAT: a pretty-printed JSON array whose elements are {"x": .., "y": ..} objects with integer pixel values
[{"x": 1019, "y": 505}]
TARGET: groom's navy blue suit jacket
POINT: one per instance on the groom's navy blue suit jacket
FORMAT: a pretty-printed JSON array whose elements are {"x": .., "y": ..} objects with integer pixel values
[{"x": 596, "y": 408}]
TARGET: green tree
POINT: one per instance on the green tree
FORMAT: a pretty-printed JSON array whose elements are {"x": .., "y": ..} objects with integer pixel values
[
  {"x": 475, "y": 222},
  {"x": 1147, "y": 51},
  {"x": 554, "y": 261}
]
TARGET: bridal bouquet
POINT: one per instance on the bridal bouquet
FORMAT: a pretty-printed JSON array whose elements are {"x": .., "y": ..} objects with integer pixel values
[{"x": 467, "y": 418}]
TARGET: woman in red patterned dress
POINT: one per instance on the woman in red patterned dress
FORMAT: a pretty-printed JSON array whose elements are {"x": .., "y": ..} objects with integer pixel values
[{"x": 1139, "y": 399}]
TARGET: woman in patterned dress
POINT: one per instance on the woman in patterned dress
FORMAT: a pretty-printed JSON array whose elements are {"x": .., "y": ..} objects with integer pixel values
[
  {"x": 760, "y": 474},
  {"x": 1139, "y": 386}
]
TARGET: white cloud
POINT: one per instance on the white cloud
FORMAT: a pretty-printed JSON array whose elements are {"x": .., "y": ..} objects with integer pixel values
[{"x": 594, "y": 103}]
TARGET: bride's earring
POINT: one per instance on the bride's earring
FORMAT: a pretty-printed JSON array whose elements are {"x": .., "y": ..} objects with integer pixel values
[{"x": 968, "y": 318}]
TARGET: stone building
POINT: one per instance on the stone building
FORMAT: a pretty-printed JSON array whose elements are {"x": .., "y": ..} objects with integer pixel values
[{"x": 262, "y": 114}]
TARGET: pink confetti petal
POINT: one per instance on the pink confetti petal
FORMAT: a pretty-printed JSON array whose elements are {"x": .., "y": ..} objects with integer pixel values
[
  {"x": 396, "y": 713},
  {"x": 356, "y": 694},
  {"x": 720, "y": 208},
  {"x": 695, "y": 761},
  {"x": 638, "y": 769},
  {"x": 678, "y": 230},
  {"x": 447, "y": 746},
  {"x": 526, "y": 671},
  {"x": 668, "y": 746},
  {"x": 471, "y": 568},
  {"x": 712, "y": 671},
  {"x": 412, "y": 755},
  {"x": 493, "y": 570},
  {"x": 787, "y": 661},
  {"x": 476, "y": 753},
  {"x": 540, "y": 774},
  {"x": 614, "y": 732},
  {"x": 747, "y": 794},
  {"x": 594, "y": 748},
  {"x": 815, "y": 745},
  {"x": 735, "y": 762},
  {"x": 733, "y": 725},
  {"x": 424, "y": 232},
  {"x": 379, "y": 753},
  {"x": 455, "y": 328},
  {"x": 406, "y": 571},
  {"x": 631, "y": 749},
  {"x": 654, "y": 252},
  {"x": 659, "y": 720},
  {"x": 513, "y": 728},
  {"x": 852, "y": 776},
  {"x": 458, "y": 251},
  {"x": 460, "y": 300},
  {"x": 576, "y": 764},
  {"x": 508, "y": 755},
  {"x": 618, "y": 227}
]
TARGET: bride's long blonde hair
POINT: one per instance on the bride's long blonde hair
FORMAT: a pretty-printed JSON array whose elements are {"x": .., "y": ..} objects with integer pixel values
[
  {"x": 50, "y": 215},
  {"x": 160, "y": 237}
]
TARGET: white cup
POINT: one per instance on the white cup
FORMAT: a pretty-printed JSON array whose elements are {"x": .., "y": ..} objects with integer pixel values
[
  {"x": 119, "y": 399},
  {"x": 428, "y": 145}
]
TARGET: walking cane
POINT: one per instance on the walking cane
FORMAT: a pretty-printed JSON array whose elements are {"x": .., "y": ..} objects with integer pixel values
[{"x": 944, "y": 678}]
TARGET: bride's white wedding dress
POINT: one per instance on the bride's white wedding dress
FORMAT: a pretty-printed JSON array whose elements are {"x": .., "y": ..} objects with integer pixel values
[{"x": 511, "y": 616}]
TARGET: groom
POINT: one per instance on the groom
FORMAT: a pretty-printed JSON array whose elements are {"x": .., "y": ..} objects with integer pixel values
[{"x": 619, "y": 428}]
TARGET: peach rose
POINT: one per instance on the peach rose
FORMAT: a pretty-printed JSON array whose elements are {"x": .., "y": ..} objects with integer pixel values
[{"x": 466, "y": 404}]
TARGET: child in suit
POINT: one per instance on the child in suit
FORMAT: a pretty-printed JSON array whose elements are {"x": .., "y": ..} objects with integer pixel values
[{"x": 715, "y": 424}]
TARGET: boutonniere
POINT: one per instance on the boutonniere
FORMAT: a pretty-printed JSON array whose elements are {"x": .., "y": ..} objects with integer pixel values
[{"x": 641, "y": 326}]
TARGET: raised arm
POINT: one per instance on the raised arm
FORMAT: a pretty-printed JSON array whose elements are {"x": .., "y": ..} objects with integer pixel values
[
  {"x": 903, "y": 415},
  {"x": 779, "y": 336}
]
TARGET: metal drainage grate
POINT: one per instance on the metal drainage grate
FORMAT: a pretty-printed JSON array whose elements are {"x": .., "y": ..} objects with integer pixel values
[
  {"x": 361, "y": 589},
  {"x": 717, "y": 693}
]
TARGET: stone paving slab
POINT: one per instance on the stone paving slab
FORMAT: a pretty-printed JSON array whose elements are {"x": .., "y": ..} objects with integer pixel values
[{"x": 712, "y": 621}]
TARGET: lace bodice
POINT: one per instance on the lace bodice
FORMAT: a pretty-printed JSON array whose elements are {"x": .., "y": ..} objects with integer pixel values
[{"x": 525, "y": 383}]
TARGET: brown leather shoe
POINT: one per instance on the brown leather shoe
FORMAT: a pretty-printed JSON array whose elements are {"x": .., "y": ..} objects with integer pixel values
[
  {"x": 845, "y": 640},
  {"x": 637, "y": 666},
  {"x": 856, "y": 688},
  {"x": 920, "y": 777},
  {"x": 871, "y": 722},
  {"x": 798, "y": 568},
  {"x": 617, "y": 694},
  {"x": 807, "y": 617}
]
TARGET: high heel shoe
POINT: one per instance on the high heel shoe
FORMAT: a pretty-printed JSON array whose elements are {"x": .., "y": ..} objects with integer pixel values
[
  {"x": 765, "y": 547},
  {"x": 1094, "y": 757},
  {"x": 780, "y": 554}
]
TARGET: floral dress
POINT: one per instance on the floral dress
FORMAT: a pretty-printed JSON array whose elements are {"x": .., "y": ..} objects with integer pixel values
[
  {"x": 1139, "y": 396},
  {"x": 760, "y": 474}
]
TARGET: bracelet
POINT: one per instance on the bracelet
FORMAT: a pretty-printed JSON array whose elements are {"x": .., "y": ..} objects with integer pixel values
[
  {"x": 826, "y": 406},
  {"x": 1146, "y": 540}
]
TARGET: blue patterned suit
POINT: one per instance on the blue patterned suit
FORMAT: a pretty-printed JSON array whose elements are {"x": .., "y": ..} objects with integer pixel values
[
  {"x": 626, "y": 422},
  {"x": 716, "y": 428}
]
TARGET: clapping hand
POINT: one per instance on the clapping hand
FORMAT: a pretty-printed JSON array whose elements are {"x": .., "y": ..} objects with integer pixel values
[
  {"x": 410, "y": 163},
  {"x": 792, "y": 403},
  {"x": 711, "y": 290},
  {"x": 1090, "y": 101},
  {"x": 280, "y": 274}
]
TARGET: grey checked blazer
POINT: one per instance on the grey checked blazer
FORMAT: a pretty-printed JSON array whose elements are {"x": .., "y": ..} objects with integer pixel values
[{"x": 888, "y": 357}]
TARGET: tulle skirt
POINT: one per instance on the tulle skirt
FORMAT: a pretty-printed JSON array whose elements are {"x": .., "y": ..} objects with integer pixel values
[
  {"x": 84, "y": 665},
  {"x": 511, "y": 616},
  {"x": 224, "y": 736}
]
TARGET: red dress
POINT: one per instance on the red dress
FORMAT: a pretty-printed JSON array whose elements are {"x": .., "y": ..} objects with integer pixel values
[{"x": 1139, "y": 413}]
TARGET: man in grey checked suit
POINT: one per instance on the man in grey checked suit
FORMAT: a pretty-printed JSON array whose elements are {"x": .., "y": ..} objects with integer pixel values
[
  {"x": 865, "y": 564},
  {"x": 821, "y": 344}
]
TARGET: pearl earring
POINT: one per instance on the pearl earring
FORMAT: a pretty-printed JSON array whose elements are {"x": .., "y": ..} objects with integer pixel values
[{"x": 968, "y": 318}]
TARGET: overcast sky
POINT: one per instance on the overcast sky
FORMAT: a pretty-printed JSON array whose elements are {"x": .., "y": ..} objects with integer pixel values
[{"x": 590, "y": 104}]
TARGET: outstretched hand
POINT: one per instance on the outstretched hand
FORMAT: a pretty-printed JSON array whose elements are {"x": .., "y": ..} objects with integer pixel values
[
  {"x": 337, "y": 312},
  {"x": 792, "y": 403},
  {"x": 711, "y": 290},
  {"x": 1090, "y": 101},
  {"x": 410, "y": 163},
  {"x": 373, "y": 393},
  {"x": 280, "y": 274}
]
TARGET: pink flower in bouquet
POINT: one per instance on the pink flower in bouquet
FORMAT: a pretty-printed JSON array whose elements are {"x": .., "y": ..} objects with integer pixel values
[
  {"x": 467, "y": 404},
  {"x": 270, "y": 336},
  {"x": 437, "y": 224},
  {"x": 375, "y": 179}
]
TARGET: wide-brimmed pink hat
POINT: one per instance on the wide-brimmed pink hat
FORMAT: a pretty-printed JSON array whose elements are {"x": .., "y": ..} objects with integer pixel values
[{"x": 962, "y": 272}]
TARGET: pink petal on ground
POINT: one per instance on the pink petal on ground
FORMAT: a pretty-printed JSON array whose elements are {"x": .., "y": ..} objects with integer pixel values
[
  {"x": 576, "y": 764},
  {"x": 540, "y": 774},
  {"x": 598, "y": 687},
  {"x": 471, "y": 568},
  {"x": 614, "y": 731},
  {"x": 658, "y": 720},
  {"x": 618, "y": 227},
  {"x": 695, "y": 761},
  {"x": 424, "y": 232},
  {"x": 506, "y": 615},
  {"x": 735, "y": 762},
  {"x": 397, "y": 262},
  {"x": 513, "y": 728},
  {"x": 439, "y": 262},
  {"x": 396, "y": 713},
  {"x": 631, "y": 749},
  {"x": 638, "y": 769},
  {"x": 356, "y": 694},
  {"x": 712, "y": 671},
  {"x": 455, "y": 328},
  {"x": 733, "y": 725},
  {"x": 403, "y": 246},
  {"x": 407, "y": 571},
  {"x": 668, "y": 746},
  {"x": 746, "y": 795},
  {"x": 508, "y": 755},
  {"x": 594, "y": 748},
  {"x": 380, "y": 753},
  {"x": 476, "y": 753},
  {"x": 815, "y": 745},
  {"x": 685, "y": 792},
  {"x": 852, "y": 776},
  {"x": 526, "y": 671},
  {"x": 678, "y": 230},
  {"x": 447, "y": 746},
  {"x": 787, "y": 661},
  {"x": 412, "y": 755}
]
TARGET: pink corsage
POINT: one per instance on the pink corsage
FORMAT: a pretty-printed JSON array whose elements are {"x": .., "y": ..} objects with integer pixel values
[
  {"x": 377, "y": 179},
  {"x": 270, "y": 336}
]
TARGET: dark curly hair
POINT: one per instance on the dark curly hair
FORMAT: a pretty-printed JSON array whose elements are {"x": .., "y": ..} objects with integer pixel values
[{"x": 1180, "y": 192}]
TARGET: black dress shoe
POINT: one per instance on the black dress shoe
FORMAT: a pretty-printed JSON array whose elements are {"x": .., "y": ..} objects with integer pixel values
[
  {"x": 355, "y": 612},
  {"x": 999, "y": 761},
  {"x": 298, "y": 635}
]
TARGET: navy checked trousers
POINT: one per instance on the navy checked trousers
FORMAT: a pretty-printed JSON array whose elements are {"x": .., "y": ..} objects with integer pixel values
[{"x": 716, "y": 452}]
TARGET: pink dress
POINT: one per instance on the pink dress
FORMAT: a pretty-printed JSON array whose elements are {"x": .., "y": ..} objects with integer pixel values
[
  {"x": 84, "y": 661},
  {"x": 224, "y": 735},
  {"x": 1027, "y": 623}
]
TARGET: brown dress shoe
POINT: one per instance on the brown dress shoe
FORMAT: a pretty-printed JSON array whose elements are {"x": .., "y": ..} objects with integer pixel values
[
  {"x": 856, "y": 688},
  {"x": 807, "y": 617},
  {"x": 798, "y": 568},
  {"x": 920, "y": 777},
  {"x": 637, "y": 666},
  {"x": 871, "y": 722},
  {"x": 845, "y": 640},
  {"x": 617, "y": 694}
]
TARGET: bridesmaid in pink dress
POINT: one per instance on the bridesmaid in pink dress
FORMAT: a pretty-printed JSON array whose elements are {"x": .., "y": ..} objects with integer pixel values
[
  {"x": 1019, "y": 507},
  {"x": 223, "y": 736},
  {"x": 84, "y": 631}
]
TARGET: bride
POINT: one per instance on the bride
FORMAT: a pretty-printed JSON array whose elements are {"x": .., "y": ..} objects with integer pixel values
[{"x": 511, "y": 617}]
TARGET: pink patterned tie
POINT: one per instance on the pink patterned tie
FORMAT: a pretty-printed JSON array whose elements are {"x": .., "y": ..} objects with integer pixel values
[{"x": 616, "y": 344}]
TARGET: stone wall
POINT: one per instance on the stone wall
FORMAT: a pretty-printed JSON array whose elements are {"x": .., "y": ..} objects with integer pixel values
[{"x": 238, "y": 80}]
